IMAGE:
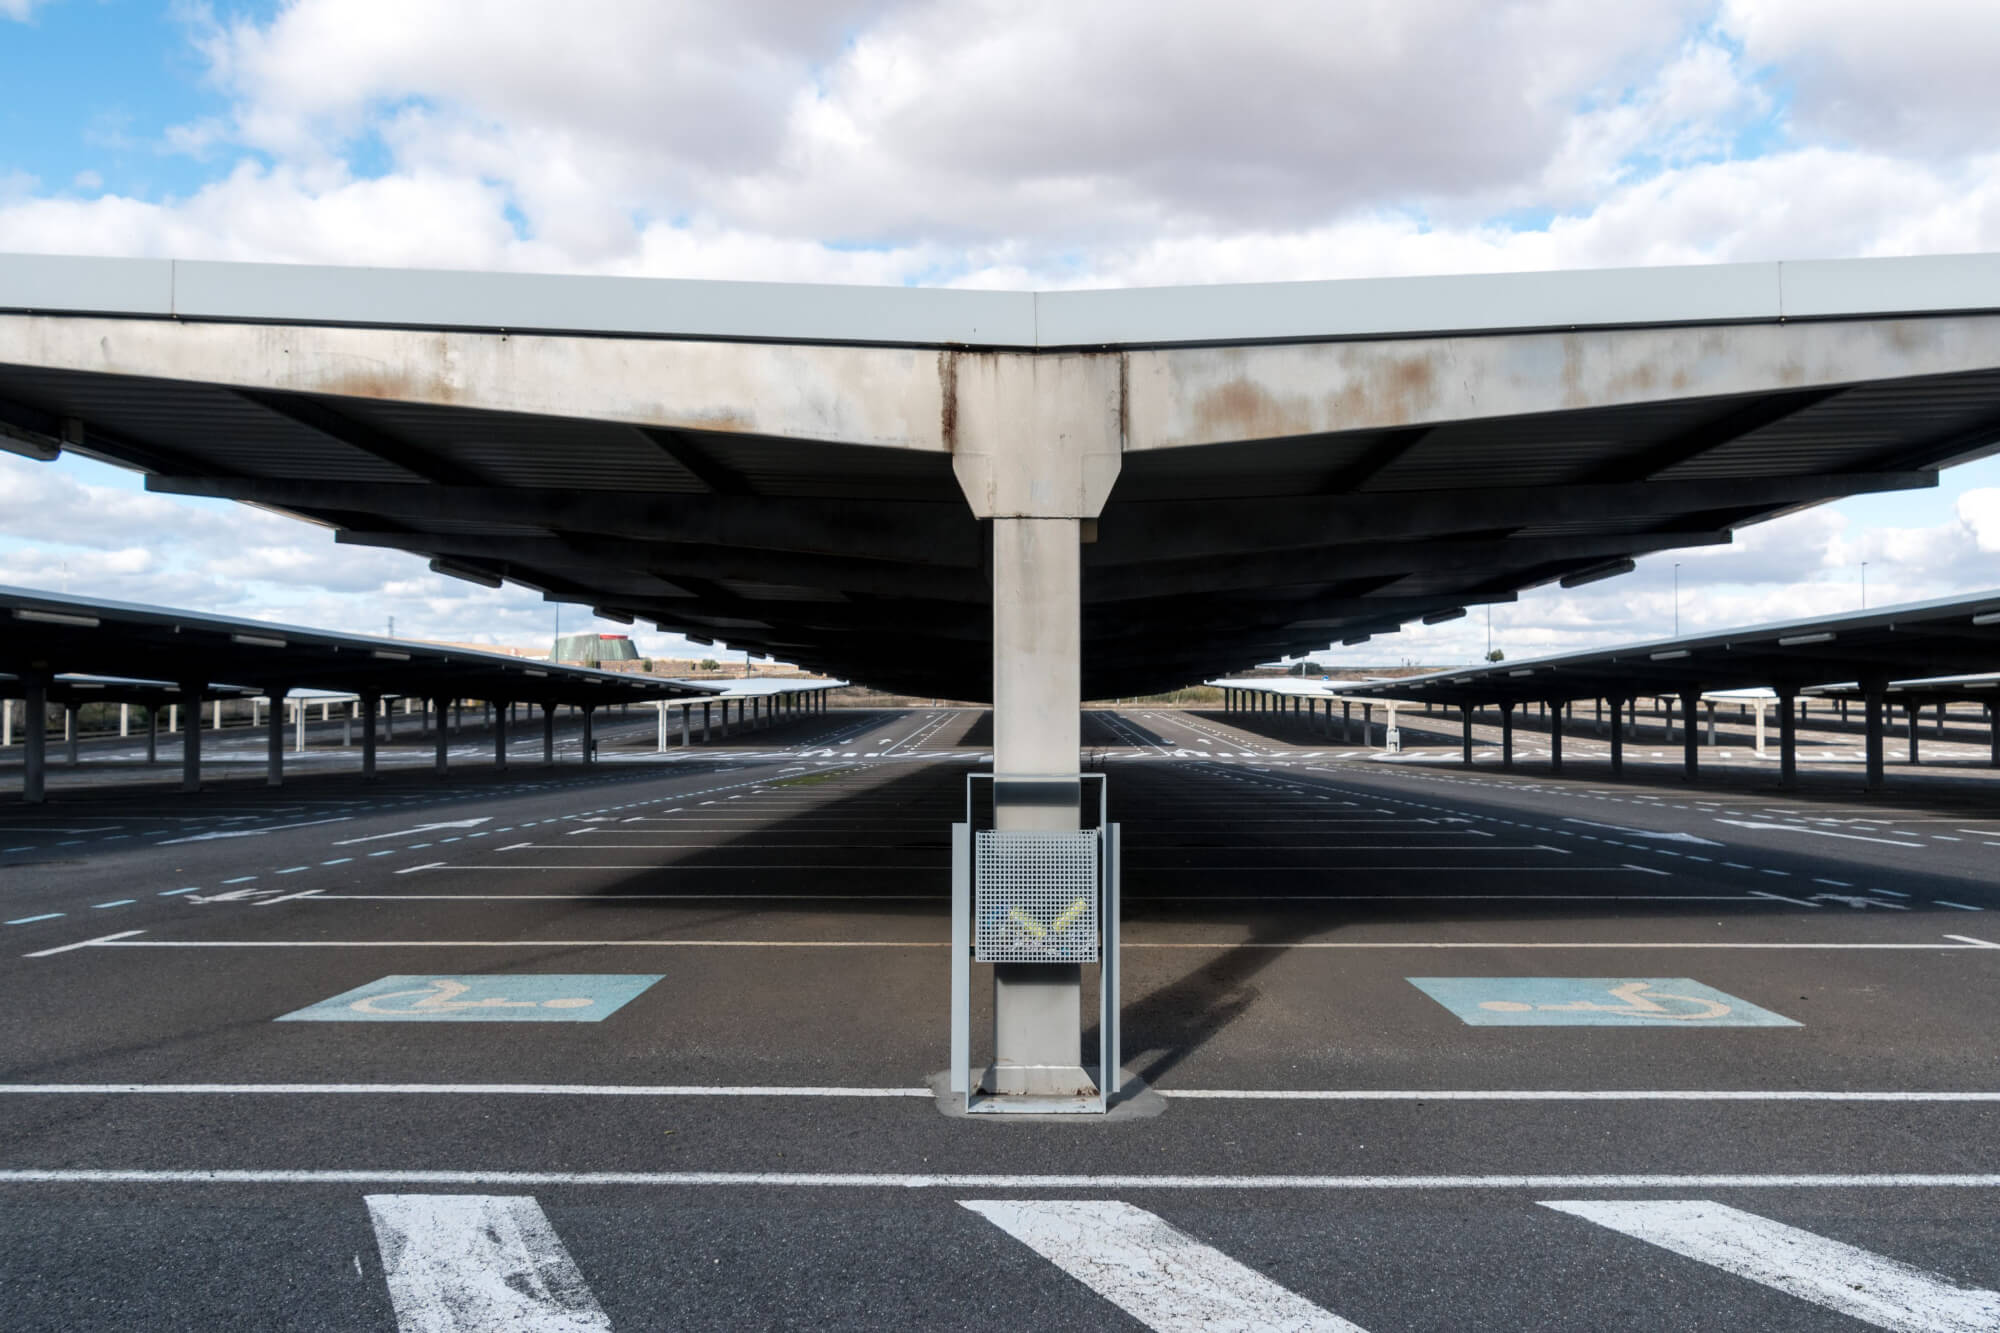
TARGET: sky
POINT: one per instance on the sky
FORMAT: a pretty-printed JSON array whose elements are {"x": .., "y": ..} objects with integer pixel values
[{"x": 1016, "y": 144}]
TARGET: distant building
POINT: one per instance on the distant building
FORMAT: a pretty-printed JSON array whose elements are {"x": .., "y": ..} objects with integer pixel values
[{"x": 595, "y": 649}]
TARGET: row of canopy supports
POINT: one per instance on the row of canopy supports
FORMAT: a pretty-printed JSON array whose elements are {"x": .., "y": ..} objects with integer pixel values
[
  {"x": 756, "y": 712},
  {"x": 1624, "y": 712}
]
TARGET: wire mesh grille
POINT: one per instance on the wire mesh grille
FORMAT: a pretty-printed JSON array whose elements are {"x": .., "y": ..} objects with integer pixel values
[{"x": 1035, "y": 897}]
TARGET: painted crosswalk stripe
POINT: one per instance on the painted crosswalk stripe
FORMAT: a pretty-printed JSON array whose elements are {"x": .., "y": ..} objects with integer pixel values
[
  {"x": 1161, "y": 1276},
  {"x": 456, "y": 1263},
  {"x": 1884, "y": 1292}
]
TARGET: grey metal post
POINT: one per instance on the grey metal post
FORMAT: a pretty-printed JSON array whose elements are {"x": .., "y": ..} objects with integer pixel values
[
  {"x": 71, "y": 719},
  {"x": 1597, "y": 716},
  {"x": 1506, "y": 735},
  {"x": 369, "y": 703},
  {"x": 274, "y": 734},
  {"x": 589, "y": 740},
  {"x": 1368, "y": 724},
  {"x": 1942, "y": 705},
  {"x": 1556, "y": 738},
  {"x": 35, "y": 738},
  {"x": 707, "y": 721},
  {"x": 1788, "y": 737},
  {"x": 1872, "y": 693},
  {"x": 152, "y": 733},
  {"x": 299, "y": 726},
  {"x": 660, "y": 726},
  {"x": 687, "y": 737},
  {"x": 1690, "y": 739},
  {"x": 1711, "y": 724},
  {"x": 500, "y": 738},
  {"x": 441, "y": 761},
  {"x": 1916, "y": 711},
  {"x": 1465, "y": 740},
  {"x": 125, "y": 720},
  {"x": 548, "y": 732},
  {"x": 1617, "y": 735},
  {"x": 1347, "y": 722},
  {"x": 191, "y": 737}
]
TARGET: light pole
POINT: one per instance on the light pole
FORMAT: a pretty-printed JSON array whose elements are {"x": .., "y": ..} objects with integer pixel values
[{"x": 1677, "y": 599}]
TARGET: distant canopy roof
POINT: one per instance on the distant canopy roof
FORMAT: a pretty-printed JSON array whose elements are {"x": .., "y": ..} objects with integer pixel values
[
  {"x": 785, "y": 468},
  {"x": 45, "y": 633},
  {"x": 1878, "y": 649}
]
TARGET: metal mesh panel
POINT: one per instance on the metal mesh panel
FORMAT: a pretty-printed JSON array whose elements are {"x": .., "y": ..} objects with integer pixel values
[{"x": 1035, "y": 897}]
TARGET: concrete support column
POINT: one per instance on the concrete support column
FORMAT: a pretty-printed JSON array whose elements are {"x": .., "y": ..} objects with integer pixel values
[
  {"x": 299, "y": 725},
  {"x": 6, "y": 724},
  {"x": 500, "y": 738},
  {"x": 1037, "y": 699},
  {"x": 1940, "y": 721},
  {"x": 1711, "y": 724},
  {"x": 1556, "y": 738},
  {"x": 1617, "y": 735},
  {"x": 152, "y": 733},
  {"x": 1788, "y": 738},
  {"x": 1761, "y": 753},
  {"x": 1347, "y": 721},
  {"x": 274, "y": 737},
  {"x": 1993, "y": 733},
  {"x": 687, "y": 738},
  {"x": 660, "y": 728},
  {"x": 1368, "y": 725},
  {"x": 389, "y": 719},
  {"x": 35, "y": 737},
  {"x": 1690, "y": 739},
  {"x": 1507, "y": 735},
  {"x": 1465, "y": 734},
  {"x": 548, "y": 734},
  {"x": 441, "y": 709},
  {"x": 589, "y": 740},
  {"x": 70, "y": 728},
  {"x": 1872, "y": 694},
  {"x": 707, "y": 722},
  {"x": 1915, "y": 711},
  {"x": 191, "y": 737},
  {"x": 369, "y": 704},
  {"x": 125, "y": 720}
]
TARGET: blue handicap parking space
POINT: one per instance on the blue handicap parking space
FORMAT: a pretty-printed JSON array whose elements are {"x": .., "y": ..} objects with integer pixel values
[
  {"x": 1594, "y": 1002},
  {"x": 568, "y": 997}
]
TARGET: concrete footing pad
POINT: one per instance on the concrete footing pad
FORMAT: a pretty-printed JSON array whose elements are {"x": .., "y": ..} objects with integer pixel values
[{"x": 1134, "y": 1100}]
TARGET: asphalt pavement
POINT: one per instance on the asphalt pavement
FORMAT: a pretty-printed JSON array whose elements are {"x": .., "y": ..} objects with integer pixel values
[{"x": 648, "y": 1044}]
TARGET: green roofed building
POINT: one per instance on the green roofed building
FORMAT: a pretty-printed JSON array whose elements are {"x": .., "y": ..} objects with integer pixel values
[{"x": 595, "y": 649}]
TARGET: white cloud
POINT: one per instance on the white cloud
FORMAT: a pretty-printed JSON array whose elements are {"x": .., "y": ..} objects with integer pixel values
[{"x": 1009, "y": 143}]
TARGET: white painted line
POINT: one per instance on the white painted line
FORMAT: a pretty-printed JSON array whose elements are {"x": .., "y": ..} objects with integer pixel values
[
  {"x": 1781, "y": 898},
  {"x": 463, "y": 1089},
  {"x": 1556, "y": 1095},
  {"x": 1963, "y": 907},
  {"x": 120, "y": 942},
  {"x": 286, "y": 898},
  {"x": 1819, "y": 832},
  {"x": 1646, "y": 833},
  {"x": 83, "y": 944},
  {"x": 464, "y": 1263},
  {"x": 433, "y": 865},
  {"x": 1158, "y": 1274},
  {"x": 1855, "y": 1282},
  {"x": 1889, "y": 892},
  {"x": 1645, "y": 870},
  {"x": 970, "y": 1180}
]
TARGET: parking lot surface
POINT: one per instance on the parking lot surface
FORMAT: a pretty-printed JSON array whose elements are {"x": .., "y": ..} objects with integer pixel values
[{"x": 649, "y": 1044}]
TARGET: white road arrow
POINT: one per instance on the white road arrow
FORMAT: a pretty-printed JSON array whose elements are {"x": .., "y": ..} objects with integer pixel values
[
  {"x": 251, "y": 832},
  {"x": 1819, "y": 832},
  {"x": 421, "y": 828},
  {"x": 1652, "y": 834}
]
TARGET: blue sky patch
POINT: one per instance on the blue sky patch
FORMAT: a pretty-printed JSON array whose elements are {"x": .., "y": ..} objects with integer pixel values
[{"x": 1594, "y": 1002}]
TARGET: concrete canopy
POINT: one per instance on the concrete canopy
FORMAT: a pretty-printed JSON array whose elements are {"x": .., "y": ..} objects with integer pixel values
[
  {"x": 1868, "y": 649},
  {"x": 804, "y": 471},
  {"x": 41, "y": 633}
]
